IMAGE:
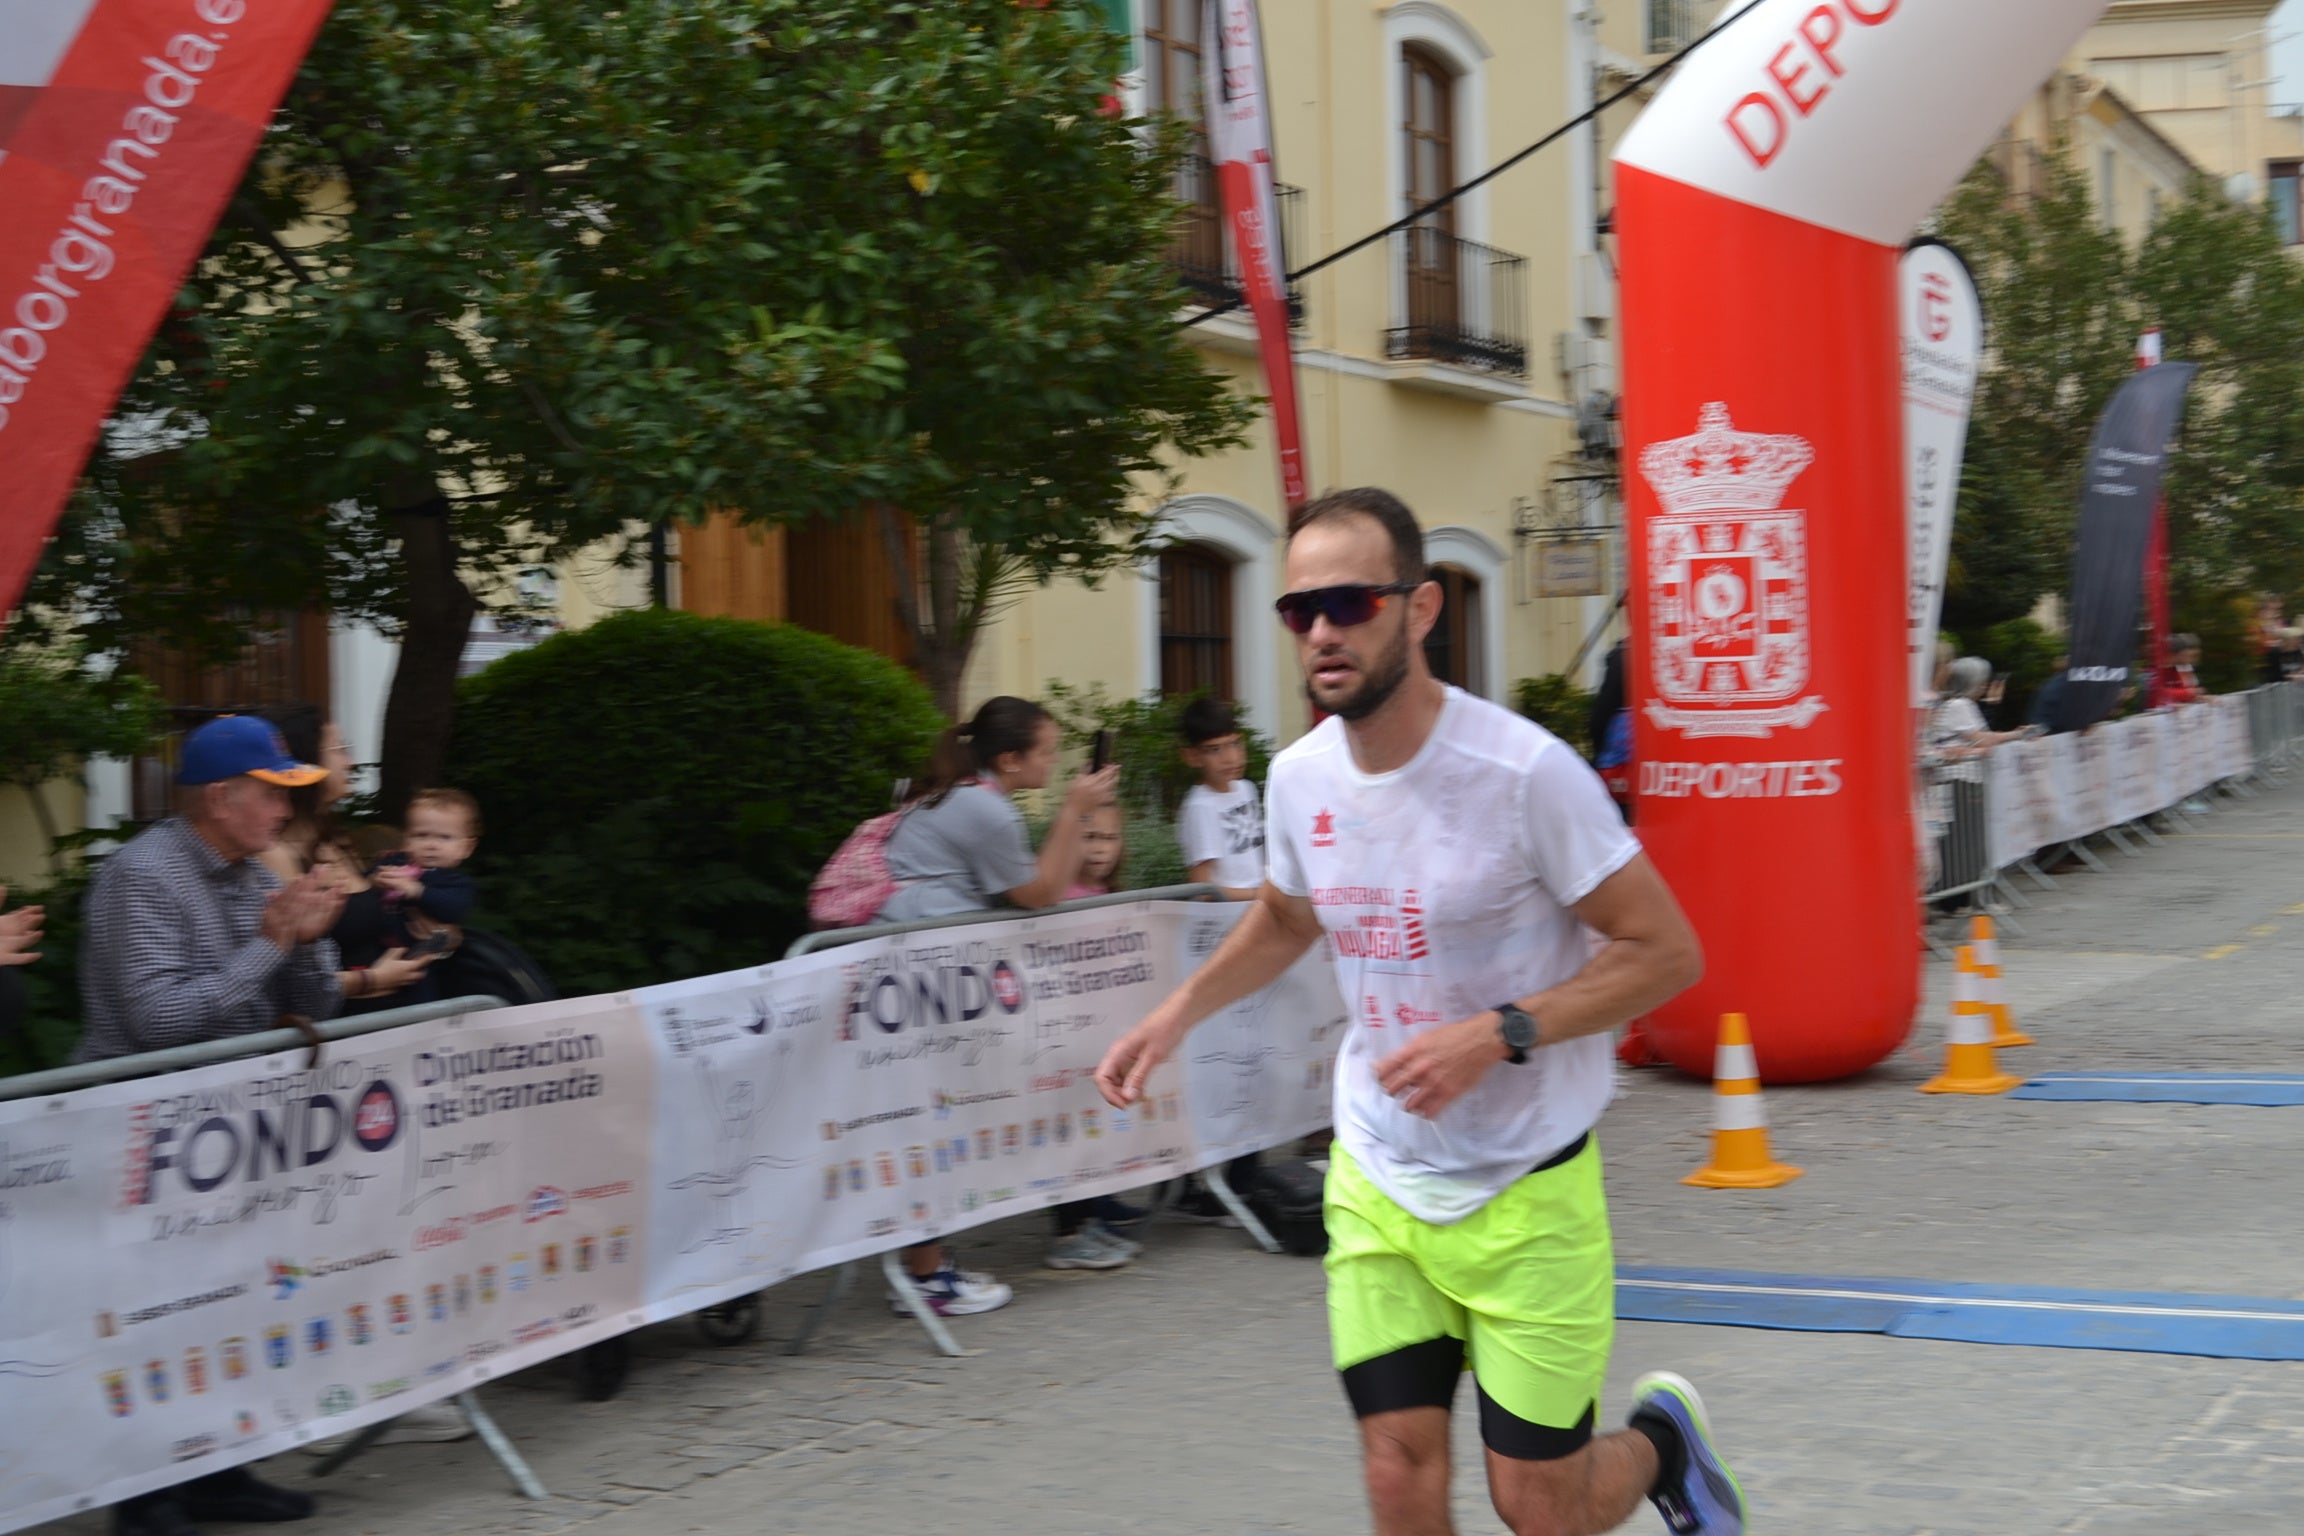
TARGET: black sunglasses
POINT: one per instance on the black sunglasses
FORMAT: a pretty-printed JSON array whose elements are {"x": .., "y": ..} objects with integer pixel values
[{"x": 1343, "y": 606}]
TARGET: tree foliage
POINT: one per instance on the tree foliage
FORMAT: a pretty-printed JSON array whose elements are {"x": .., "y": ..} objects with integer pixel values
[
  {"x": 659, "y": 789},
  {"x": 512, "y": 277},
  {"x": 2064, "y": 300},
  {"x": 2061, "y": 333},
  {"x": 55, "y": 714}
]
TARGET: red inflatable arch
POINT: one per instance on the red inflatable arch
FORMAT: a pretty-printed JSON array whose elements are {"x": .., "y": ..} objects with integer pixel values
[{"x": 1762, "y": 200}]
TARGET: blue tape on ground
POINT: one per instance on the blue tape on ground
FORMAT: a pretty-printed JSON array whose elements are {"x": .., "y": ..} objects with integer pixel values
[
  {"x": 2042, "y": 1317},
  {"x": 2267, "y": 1090}
]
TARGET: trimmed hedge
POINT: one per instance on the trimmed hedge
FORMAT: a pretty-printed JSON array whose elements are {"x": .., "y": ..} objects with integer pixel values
[{"x": 660, "y": 788}]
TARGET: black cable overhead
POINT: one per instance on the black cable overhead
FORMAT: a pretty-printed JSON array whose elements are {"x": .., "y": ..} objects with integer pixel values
[{"x": 1494, "y": 171}]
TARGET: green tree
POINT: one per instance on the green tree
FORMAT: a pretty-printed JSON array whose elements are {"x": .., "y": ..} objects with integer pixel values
[
  {"x": 2064, "y": 301},
  {"x": 2060, "y": 333},
  {"x": 549, "y": 274},
  {"x": 55, "y": 714},
  {"x": 2217, "y": 280}
]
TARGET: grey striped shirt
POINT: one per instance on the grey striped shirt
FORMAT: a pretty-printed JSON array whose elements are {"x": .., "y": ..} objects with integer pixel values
[{"x": 171, "y": 954}]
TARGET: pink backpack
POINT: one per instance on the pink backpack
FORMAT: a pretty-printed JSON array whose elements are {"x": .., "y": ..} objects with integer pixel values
[{"x": 854, "y": 883}]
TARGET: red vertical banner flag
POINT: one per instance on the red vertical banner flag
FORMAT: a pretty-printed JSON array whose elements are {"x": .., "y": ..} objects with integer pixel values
[
  {"x": 1240, "y": 145},
  {"x": 124, "y": 127},
  {"x": 2148, "y": 355}
]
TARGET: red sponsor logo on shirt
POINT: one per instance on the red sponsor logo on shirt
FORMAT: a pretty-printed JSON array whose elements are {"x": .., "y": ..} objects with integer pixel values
[{"x": 1323, "y": 829}]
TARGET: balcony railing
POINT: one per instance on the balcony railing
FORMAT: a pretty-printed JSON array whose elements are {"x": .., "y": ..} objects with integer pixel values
[
  {"x": 1462, "y": 302},
  {"x": 1674, "y": 24},
  {"x": 1203, "y": 256}
]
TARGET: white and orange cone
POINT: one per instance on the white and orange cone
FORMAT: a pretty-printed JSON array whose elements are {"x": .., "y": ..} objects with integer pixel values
[
  {"x": 1969, "y": 1065},
  {"x": 1740, "y": 1155},
  {"x": 1994, "y": 992}
]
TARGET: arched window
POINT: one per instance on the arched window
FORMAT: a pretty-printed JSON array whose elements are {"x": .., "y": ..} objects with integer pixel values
[
  {"x": 1453, "y": 649},
  {"x": 1196, "y": 619}
]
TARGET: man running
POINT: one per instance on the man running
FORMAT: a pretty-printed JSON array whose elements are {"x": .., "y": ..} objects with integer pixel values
[{"x": 1492, "y": 920}]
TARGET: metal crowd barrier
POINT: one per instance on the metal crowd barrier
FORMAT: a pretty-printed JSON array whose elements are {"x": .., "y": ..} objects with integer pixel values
[
  {"x": 203, "y": 1053},
  {"x": 809, "y": 943},
  {"x": 1964, "y": 866},
  {"x": 891, "y": 1263},
  {"x": 1963, "y": 851}
]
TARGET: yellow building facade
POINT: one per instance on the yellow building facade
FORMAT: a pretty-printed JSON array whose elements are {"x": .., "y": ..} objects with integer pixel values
[
  {"x": 1465, "y": 365},
  {"x": 2200, "y": 72}
]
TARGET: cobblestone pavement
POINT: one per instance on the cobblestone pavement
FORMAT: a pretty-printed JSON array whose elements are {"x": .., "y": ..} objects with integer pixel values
[{"x": 1191, "y": 1392}]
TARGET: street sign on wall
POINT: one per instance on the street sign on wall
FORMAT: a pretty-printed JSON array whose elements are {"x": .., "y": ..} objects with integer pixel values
[{"x": 1574, "y": 568}]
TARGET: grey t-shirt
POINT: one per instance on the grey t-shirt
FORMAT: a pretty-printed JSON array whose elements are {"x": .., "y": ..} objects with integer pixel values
[{"x": 958, "y": 856}]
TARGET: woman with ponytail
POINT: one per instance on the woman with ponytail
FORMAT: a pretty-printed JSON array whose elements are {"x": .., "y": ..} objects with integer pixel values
[{"x": 962, "y": 847}]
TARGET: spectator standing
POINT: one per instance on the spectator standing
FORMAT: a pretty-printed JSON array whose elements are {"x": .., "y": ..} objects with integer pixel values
[
  {"x": 1221, "y": 828},
  {"x": 1957, "y": 742},
  {"x": 2179, "y": 681},
  {"x": 189, "y": 938},
  {"x": 1608, "y": 703},
  {"x": 311, "y": 737},
  {"x": 374, "y": 973},
  {"x": 19, "y": 941},
  {"x": 1087, "y": 1235},
  {"x": 1103, "y": 849},
  {"x": 962, "y": 847},
  {"x": 428, "y": 873},
  {"x": 2284, "y": 658},
  {"x": 1221, "y": 823},
  {"x": 2047, "y": 709}
]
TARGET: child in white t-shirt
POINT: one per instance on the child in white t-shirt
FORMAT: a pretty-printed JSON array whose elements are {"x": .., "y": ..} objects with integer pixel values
[
  {"x": 1221, "y": 827},
  {"x": 1221, "y": 824}
]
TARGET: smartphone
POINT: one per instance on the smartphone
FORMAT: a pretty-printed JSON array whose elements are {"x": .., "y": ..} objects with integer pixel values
[
  {"x": 434, "y": 943},
  {"x": 1100, "y": 757}
]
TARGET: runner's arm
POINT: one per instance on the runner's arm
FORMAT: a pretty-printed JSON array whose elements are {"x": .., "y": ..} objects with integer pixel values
[
  {"x": 1651, "y": 954},
  {"x": 1276, "y": 931}
]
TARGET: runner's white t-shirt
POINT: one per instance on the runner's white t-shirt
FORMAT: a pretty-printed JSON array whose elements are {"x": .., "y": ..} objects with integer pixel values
[
  {"x": 1443, "y": 887},
  {"x": 1228, "y": 828}
]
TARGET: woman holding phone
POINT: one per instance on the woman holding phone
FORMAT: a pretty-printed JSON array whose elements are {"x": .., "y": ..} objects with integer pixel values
[
  {"x": 374, "y": 972},
  {"x": 962, "y": 847}
]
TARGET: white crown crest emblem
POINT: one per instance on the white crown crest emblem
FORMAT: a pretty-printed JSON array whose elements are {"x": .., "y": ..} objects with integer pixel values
[{"x": 1723, "y": 470}]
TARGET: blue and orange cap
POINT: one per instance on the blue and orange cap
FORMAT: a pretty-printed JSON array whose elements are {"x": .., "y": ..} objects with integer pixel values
[{"x": 231, "y": 745}]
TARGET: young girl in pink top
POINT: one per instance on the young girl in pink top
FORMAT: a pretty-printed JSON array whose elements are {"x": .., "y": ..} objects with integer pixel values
[{"x": 1100, "y": 854}]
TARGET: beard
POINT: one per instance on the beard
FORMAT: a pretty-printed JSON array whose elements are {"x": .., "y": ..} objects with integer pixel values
[{"x": 1377, "y": 683}]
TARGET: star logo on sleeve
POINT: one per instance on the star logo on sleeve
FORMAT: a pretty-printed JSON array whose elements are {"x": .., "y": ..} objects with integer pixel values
[{"x": 1323, "y": 829}]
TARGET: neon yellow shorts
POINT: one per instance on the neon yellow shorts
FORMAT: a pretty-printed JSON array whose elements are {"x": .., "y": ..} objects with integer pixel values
[{"x": 1524, "y": 1289}]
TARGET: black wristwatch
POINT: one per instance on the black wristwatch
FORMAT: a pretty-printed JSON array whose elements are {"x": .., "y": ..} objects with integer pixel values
[{"x": 1518, "y": 1027}]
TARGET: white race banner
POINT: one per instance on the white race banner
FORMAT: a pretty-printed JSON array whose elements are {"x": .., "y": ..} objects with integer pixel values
[
  {"x": 1941, "y": 319},
  {"x": 217, "y": 1265},
  {"x": 2061, "y": 788}
]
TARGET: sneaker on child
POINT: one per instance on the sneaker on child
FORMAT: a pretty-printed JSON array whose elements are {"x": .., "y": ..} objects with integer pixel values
[
  {"x": 1084, "y": 1249},
  {"x": 952, "y": 1292}
]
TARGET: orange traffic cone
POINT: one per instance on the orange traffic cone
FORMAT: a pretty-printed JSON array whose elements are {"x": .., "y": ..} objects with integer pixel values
[
  {"x": 1740, "y": 1155},
  {"x": 1993, "y": 991},
  {"x": 1969, "y": 1066}
]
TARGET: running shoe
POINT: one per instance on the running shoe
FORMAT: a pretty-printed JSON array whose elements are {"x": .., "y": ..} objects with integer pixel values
[
  {"x": 1126, "y": 1247},
  {"x": 1199, "y": 1203},
  {"x": 1085, "y": 1249},
  {"x": 1704, "y": 1500},
  {"x": 956, "y": 1293},
  {"x": 1118, "y": 1215}
]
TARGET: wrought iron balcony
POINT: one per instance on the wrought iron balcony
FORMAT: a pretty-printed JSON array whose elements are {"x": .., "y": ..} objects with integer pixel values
[
  {"x": 1674, "y": 24},
  {"x": 1203, "y": 256},
  {"x": 1462, "y": 302}
]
